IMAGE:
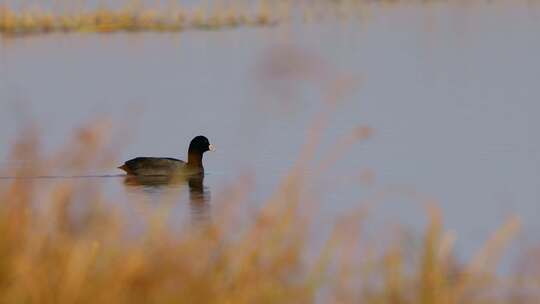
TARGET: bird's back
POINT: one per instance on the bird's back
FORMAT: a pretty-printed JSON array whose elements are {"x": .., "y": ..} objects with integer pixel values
[{"x": 153, "y": 166}]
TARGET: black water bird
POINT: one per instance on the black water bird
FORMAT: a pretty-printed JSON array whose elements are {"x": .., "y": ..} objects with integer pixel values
[{"x": 164, "y": 166}]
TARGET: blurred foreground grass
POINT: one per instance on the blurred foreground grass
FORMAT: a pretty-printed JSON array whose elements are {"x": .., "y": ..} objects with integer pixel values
[{"x": 48, "y": 255}]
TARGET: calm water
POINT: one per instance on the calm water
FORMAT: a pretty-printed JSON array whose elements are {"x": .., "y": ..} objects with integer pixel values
[{"x": 452, "y": 94}]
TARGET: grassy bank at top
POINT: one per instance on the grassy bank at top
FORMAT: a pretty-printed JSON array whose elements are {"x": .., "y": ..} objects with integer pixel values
[{"x": 35, "y": 20}]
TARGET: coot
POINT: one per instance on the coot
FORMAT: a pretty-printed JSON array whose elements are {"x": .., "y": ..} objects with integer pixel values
[{"x": 164, "y": 166}]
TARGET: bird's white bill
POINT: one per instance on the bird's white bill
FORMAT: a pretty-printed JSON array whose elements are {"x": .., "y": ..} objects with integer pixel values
[{"x": 211, "y": 148}]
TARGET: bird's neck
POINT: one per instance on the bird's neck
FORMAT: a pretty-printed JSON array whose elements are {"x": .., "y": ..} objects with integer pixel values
[{"x": 195, "y": 159}]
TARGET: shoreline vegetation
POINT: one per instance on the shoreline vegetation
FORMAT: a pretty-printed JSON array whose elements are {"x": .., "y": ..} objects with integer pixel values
[{"x": 132, "y": 17}]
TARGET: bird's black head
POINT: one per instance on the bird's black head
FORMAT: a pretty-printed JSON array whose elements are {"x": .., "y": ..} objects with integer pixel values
[{"x": 199, "y": 145}]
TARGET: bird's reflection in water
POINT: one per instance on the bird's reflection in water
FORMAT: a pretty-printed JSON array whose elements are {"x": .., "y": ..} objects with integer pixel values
[{"x": 199, "y": 195}]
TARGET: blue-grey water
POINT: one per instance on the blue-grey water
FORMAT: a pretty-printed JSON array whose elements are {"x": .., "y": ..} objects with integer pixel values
[{"x": 452, "y": 93}]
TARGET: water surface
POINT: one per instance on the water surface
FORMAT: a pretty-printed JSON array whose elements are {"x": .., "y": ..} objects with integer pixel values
[{"x": 451, "y": 92}]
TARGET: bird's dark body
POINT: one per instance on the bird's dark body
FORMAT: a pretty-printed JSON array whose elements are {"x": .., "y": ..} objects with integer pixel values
[{"x": 155, "y": 166}]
